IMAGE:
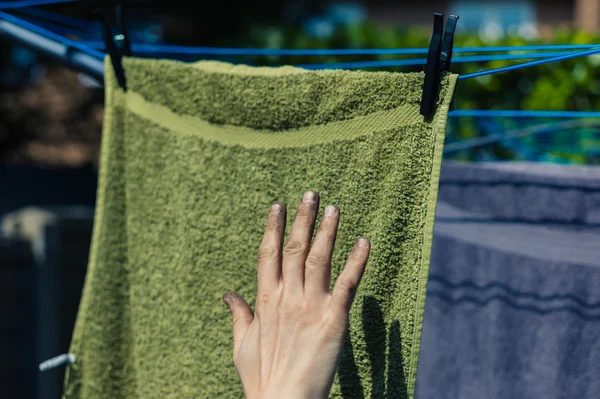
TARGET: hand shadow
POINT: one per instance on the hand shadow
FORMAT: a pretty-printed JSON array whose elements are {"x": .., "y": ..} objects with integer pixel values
[{"x": 375, "y": 341}]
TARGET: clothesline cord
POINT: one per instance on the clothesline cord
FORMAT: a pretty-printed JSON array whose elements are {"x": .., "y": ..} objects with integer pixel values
[
  {"x": 531, "y": 63},
  {"x": 174, "y": 49},
  {"x": 483, "y": 113},
  {"x": 423, "y": 61},
  {"x": 6, "y": 5},
  {"x": 27, "y": 8},
  {"x": 92, "y": 52},
  {"x": 517, "y": 133}
]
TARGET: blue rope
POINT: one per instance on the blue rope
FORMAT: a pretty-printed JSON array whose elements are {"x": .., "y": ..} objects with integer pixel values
[
  {"x": 423, "y": 61},
  {"x": 172, "y": 49},
  {"x": 5, "y": 5},
  {"x": 365, "y": 64},
  {"x": 148, "y": 49},
  {"x": 508, "y": 57},
  {"x": 522, "y": 114},
  {"x": 100, "y": 55},
  {"x": 530, "y": 64},
  {"x": 498, "y": 137},
  {"x": 541, "y": 47},
  {"x": 51, "y": 35}
]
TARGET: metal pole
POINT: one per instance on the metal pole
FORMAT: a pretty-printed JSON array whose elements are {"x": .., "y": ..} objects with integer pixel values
[{"x": 52, "y": 45}]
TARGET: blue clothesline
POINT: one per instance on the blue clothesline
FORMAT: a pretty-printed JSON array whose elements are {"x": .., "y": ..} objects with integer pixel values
[
  {"x": 95, "y": 53},
  {"x": 185, "y": 50},
  {"x": 530, "y": 64},
  {"x": 174, "y": 49},
  {"x": 460, "y": 113},
  {"x": 5, "y": 5},
  {"x": 26, "y": 7},
  {"x": 423, "y": 61},
  {"x": 549, "y": 56},
  {"x": 171, "y": 49},
  {"x": 141, "y": 49},
  {"x": 469, "y": 144}
]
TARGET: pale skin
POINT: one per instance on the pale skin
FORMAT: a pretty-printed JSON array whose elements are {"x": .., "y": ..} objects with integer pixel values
[{"x": 291, "y": 345}]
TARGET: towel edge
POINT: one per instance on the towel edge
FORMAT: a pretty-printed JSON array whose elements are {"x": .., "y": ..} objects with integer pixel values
[{"x": 441, "y": 123}]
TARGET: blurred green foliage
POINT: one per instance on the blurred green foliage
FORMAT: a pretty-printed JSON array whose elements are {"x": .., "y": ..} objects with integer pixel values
[{"x": 566, "y": 85}]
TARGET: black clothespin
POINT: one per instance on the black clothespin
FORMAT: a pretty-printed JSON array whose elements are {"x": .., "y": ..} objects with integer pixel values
[
  {"x": 439, "y": 58},
  {"x": 117, "y": 45}
]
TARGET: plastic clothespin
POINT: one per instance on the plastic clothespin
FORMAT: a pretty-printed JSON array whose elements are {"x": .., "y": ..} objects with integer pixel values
[
  {"x": 117, "y": 45},
  {"x": 439, "y": 58}
]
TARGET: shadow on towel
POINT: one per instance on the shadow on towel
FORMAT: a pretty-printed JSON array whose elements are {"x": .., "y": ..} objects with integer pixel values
[{"x": 374, "y": 327}]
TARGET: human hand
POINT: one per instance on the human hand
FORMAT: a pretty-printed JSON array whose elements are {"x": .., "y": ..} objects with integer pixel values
[{"x": 291, "y": 346}]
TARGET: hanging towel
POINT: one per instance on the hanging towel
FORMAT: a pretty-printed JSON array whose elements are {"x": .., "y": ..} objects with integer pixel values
[
  {"x": 193, "y": 155},
  {"x": 513, "y": 299}
]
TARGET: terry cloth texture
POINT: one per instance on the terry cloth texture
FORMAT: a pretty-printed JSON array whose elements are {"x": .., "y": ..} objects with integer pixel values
[
  {"x": 513, "y": 298},
  {"x": 193, "y": 156}
]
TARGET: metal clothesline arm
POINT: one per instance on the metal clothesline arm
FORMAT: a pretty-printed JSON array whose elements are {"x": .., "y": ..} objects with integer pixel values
[{"x": 57, "y": 47}]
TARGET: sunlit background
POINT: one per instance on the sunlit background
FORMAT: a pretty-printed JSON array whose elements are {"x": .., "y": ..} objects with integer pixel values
[{"x": 51, "y": 120}]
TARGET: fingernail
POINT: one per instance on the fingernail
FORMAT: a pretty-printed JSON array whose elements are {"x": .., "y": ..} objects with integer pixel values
[
  {"x": 308, "y": 196},
  {"x": 363, "y": 242},
  {"x": 329, "y": 210},
  {"x": 226, "y": 299},
  {"x": 275, "y": 209}
]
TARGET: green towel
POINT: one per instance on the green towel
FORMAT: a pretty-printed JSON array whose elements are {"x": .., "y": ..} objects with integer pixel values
[{"x": 193, "y": 155}]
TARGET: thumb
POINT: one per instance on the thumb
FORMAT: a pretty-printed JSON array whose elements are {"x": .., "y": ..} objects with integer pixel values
[{"x": 241, "y": 317}]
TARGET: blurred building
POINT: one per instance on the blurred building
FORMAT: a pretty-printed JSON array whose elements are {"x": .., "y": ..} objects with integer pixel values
[{"x": 493, "y": 17}]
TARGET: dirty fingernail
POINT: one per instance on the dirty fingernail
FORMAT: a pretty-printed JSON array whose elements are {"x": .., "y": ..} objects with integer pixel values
[
  {"x": 275, "y": 209},
  {"x": 308, "y": 196},
  {"x": 329, "y": 210}
]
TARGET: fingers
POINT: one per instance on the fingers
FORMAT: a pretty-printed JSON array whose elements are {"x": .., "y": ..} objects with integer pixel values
[
  {"x": 317, "y": 272},
  {"x": 298, "y": 244},
  {"x": 269, "y": 252},
  {"x": 348, "y": 280},
  {"x": 241, "y": 317}
]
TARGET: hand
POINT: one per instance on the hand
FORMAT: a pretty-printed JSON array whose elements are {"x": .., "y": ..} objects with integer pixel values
[{"x": 291, "y": 347}]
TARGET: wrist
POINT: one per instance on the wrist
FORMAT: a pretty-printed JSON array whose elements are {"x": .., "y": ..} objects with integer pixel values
[{"x": 297, "y": 394}]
